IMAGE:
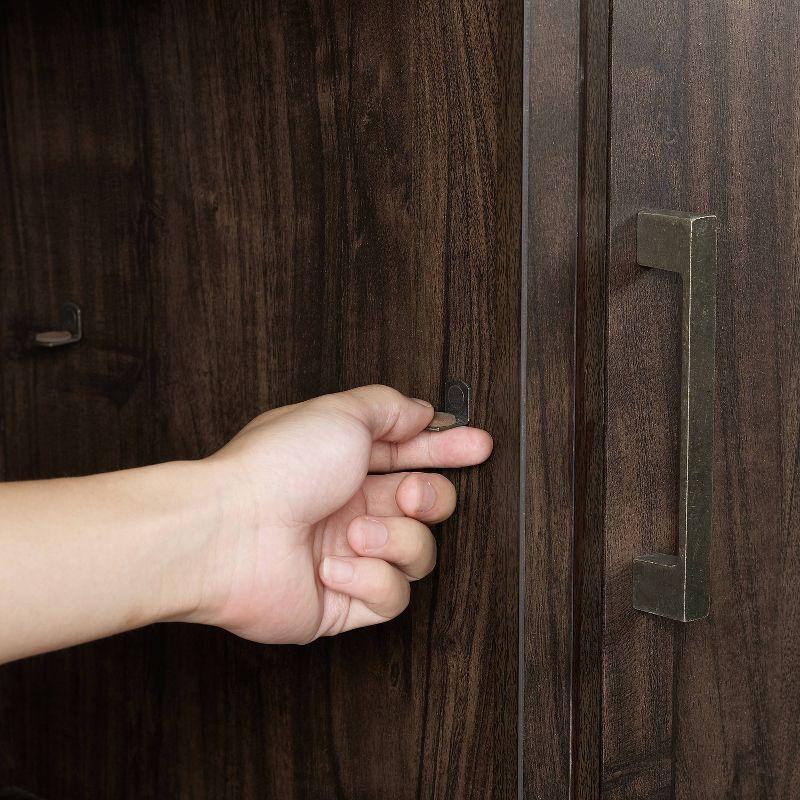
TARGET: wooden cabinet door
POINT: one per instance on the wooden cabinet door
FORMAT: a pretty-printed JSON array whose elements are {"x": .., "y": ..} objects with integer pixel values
[
  {"x": 704, "y": 107},
  {"x": 255, "y": 203}
]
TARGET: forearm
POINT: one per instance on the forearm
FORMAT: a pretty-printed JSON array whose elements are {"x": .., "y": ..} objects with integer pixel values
[{"x": 82, "y": 558}]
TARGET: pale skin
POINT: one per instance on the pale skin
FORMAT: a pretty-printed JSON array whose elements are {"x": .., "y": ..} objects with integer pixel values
[{"x": 308, "y": 523}]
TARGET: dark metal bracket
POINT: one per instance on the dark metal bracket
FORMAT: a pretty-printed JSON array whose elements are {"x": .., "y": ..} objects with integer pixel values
[{"x": 677, "y": 585}]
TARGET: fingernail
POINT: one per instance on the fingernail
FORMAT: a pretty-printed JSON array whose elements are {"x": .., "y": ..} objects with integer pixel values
[
  {"x": 427, "y": 497},
  {"x": 337, "y": 570},
  {"x": 375, "y": 533},
  {"x": 422, "y": 402}
]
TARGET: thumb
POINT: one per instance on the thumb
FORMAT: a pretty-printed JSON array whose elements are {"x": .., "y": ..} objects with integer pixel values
[{"x": 388, "y": 414}]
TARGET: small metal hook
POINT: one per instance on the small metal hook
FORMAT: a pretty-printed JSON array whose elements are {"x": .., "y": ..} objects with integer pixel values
[
  {"x": 457, "y": 408},
  {"x": 70, "y": 332}
]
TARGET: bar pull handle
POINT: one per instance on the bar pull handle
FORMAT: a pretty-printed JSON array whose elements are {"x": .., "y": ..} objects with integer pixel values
[{"x": 677, "y": 586}]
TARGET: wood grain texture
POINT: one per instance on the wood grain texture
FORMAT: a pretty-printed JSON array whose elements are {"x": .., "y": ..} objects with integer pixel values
[
  {"x": 550, "y": 251},
  {"x": 704, "y": 117},
  {"x": 590, "y": 405},
  {"x": 256, "y": 203},
  {"x": 566, "y": 260}
]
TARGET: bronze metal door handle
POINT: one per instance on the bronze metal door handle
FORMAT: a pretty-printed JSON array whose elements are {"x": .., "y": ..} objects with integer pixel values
[{"x": 677, "y": 586}]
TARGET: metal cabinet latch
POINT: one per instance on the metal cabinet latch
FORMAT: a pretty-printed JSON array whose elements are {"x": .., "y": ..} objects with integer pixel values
[
  {"x": 69, "y": 333},
  {"x": 456, "y": 407}
]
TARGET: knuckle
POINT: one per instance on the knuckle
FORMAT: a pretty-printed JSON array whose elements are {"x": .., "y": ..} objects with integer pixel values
[
  {"x": 383, "y": 582},
  {"x": 429, "y": 454},
  {"x": 391, "y": 590},
  {"x": 425, "y": 557},
  {"x": 377, "y": 396},
  {"x": 373, "y": 389},
  {"x": 432, "y": 557},
  {"x": 403, "y": 597},
  {"x": 406, "y": 595},
  {"x": 419, "y": 544},
  {"x": 394, "y": 456}
]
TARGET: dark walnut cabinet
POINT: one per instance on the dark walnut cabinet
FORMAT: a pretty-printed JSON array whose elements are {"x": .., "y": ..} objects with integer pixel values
[{"x": 257, "y": 202}]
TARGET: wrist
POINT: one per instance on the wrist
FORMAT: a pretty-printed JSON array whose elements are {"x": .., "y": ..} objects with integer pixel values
[
  {"x": 199, "y": 561},
  {"x": 193, "y": 517}
]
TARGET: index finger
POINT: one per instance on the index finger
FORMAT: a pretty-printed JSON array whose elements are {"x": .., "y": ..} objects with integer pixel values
[{"x": 459, "y": 447}]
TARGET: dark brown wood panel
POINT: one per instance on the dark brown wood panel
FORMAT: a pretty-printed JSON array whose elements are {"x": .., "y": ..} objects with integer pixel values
[
  {"x": 705, "y": 98},
  {"x": 590, "y": 404},
  {"x": 255, "y": 203},
  {"x": 549, "y": 250},
  {"x": 565, "y": 250}
]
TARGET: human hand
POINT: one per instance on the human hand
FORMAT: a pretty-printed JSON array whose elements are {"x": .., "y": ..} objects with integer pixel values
[{"x": 312, "y": 542}]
